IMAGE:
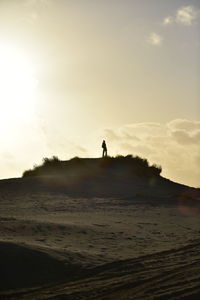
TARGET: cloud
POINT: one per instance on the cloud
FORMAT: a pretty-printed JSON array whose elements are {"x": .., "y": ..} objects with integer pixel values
[
  {"x": 168, "y": 20},
  {"x": 186, "y": 15},
  {"x": 155, "y": 39},
  {"x": 187, "y": 125},
  {"x": 185, "y": 138},
  {"x": 175, "y": 146}
]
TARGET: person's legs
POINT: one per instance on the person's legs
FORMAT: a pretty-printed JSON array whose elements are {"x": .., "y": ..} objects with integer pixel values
[{"x": 104, "y": 152}]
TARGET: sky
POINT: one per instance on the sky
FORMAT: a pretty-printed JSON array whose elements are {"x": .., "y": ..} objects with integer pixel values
[{"x": 74, "y": 72}]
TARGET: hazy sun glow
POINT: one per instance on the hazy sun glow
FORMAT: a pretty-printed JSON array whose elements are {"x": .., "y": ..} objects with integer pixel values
[
  {"x": 17, "y": 86},
  {"x": 123, "y": 71}
]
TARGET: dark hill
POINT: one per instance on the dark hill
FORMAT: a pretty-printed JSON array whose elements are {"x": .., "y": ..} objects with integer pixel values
[
  {"x": 116, "y": 167},
  {"x": 99, "y": 177}
]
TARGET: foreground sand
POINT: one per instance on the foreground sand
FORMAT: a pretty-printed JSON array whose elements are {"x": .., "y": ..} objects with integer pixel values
[{"x": 59, "y": 247}]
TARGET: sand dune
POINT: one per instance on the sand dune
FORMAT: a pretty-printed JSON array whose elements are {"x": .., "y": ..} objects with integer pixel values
[
  {"x": 23, "y": 267},
  {"x": 173, "y": 274},
  {"x": 69, "y": 244}
]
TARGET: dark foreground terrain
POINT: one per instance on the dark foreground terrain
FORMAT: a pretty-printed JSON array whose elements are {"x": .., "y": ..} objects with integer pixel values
[
  {"x": 173, "y": 274},
  {"x": 73, "y": 236}
]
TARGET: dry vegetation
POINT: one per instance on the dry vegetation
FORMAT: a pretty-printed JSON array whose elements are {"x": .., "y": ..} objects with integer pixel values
[{"x": 132, "y": 166}]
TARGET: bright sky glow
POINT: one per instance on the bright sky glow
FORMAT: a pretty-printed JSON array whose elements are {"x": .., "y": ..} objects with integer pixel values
[
  {"x": 17, "y": 87},
  {"x": 74, "y": 72}
]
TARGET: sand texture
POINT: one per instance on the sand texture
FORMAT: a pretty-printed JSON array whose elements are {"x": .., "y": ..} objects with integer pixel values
[{"x": 55, "y": 245}]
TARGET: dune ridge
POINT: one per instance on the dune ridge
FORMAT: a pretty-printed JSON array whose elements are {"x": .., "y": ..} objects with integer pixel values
[
  {"x": 116, "y": 234},
  {"x": 97, "y": 177}
]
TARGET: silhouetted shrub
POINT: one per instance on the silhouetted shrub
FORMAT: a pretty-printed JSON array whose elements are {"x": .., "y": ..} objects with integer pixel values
[
  {"x": 50, "y": 161},
  {"x": 27, "y": 173},
  {"x": 126, "y": 166},
  {"x": 129, "y": 156},
  {"x": 49, "y": 165},
  {"x": 156, "y": 170}
]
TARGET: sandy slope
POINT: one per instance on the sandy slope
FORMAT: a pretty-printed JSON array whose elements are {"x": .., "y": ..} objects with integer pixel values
[
  {"x": 173, "y": 274},
  {"x": 98, "y": 248}
]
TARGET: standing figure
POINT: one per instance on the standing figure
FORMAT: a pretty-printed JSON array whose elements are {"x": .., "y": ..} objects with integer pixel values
[{"x": 104, "y": 149}]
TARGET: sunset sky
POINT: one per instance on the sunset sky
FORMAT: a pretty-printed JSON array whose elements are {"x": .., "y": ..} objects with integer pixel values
[{"x": 73, "y": 72}]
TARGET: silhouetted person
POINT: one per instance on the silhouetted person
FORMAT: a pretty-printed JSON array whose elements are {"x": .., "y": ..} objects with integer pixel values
[{"x": 104, "y": 149}]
